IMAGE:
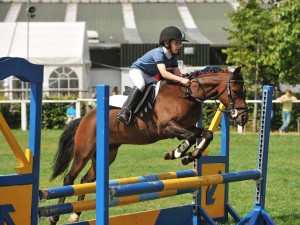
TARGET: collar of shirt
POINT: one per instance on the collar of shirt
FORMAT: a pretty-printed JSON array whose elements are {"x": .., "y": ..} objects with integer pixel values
[{"x": 167, "y": 53}]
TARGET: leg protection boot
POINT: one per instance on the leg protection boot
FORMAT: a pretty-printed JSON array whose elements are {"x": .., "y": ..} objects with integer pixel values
[{"x": 126, "y": 112}]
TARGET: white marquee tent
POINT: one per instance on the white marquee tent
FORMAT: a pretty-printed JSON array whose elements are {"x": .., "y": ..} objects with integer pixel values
[{"x": 51, "y": 44}]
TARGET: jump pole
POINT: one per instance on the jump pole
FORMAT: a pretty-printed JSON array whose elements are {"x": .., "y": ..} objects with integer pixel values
[
  {"x": 102, "y": 158},
  {"x": 181, "y": 183},
  {"x": 88, "y": 188},
  {"x": 87, "y": 205}
]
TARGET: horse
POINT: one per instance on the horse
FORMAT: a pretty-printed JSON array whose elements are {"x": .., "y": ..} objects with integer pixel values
[{"x": 175, "y": 112}]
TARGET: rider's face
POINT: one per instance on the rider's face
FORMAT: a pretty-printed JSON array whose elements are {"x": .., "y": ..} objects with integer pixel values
[{"x": 176, "y": 46}]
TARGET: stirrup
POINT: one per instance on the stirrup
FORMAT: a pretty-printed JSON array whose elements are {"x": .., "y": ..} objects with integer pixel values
[{"x": 122, "y": 119}]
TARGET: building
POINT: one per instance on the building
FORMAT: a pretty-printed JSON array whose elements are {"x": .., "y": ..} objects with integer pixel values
[{"x": 87, "y": 42}]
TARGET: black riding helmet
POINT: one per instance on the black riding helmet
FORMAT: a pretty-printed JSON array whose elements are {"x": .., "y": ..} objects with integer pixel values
[{"x": 171, "y": 33}]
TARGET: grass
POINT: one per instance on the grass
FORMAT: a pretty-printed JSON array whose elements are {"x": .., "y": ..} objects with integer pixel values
[{"x": 283, "y": 196}]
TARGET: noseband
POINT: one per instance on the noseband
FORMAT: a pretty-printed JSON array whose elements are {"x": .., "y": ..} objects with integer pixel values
[{"x": 233, "y": 110}]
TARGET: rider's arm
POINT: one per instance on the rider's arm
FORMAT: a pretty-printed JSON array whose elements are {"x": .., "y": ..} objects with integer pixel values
[
  {"x": 169, "y": 76},
  {"x": 177, "y": 71}
]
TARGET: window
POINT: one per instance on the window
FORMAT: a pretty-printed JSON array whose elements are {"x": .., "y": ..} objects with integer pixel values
[
  {"x": 63, "y": 81},
  {"x": 20, "y": 89}
]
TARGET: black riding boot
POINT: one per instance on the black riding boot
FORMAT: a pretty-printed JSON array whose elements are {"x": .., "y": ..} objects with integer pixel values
[{"x": 126, "y": 112}]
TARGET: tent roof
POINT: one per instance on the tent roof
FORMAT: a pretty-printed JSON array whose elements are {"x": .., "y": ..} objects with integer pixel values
[{"x": 49, "y": 43}]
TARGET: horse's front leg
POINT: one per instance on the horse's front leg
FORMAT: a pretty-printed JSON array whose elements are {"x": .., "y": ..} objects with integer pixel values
[
  {"x": 188, "y": 135},
  {"x": 180, "y": 151},
  {"x": 207, "y": 137}
]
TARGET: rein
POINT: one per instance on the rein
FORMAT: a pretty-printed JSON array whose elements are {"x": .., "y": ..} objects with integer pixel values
[{"x": 232, "y": 110}]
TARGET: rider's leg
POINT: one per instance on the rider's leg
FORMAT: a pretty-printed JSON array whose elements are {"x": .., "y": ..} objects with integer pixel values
[
  {"x": 132, "y": 100},
  {"x": 140, "y": 80}
]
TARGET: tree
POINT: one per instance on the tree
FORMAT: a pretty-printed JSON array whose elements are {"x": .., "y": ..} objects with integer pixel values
[
  {"x": 250, "y": 38},
  {"x": 286, "y": 47}
]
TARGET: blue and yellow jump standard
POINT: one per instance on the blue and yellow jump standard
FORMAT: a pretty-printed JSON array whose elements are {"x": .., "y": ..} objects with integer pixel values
[{"x": 19, "y": 192}]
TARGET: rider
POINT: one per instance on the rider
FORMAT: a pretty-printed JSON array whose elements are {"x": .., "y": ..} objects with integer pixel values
[{"x": 157, "y": 61}]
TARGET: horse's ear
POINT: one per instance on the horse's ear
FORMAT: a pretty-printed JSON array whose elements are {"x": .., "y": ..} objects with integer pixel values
[{"x": 235, "y": 70}]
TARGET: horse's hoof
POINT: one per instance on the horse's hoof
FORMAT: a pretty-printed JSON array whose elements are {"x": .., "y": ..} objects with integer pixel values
[
  {"x": 51, "y": 221},
  {"x": 169, "y": 155},
  {"x": 73, "y": 218},
  {"x": 187, "y": 159}
]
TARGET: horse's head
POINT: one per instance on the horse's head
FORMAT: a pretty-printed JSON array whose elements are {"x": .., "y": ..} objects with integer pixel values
[
  {"x": 227, "y": 85},
  {"x": 233, "y": 95}
]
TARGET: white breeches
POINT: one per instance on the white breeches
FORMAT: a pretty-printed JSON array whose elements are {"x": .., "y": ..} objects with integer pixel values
[{"x": 140, "y": 79}]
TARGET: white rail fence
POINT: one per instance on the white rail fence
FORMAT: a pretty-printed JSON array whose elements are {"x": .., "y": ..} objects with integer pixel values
[{"x": 85, "y": 101}]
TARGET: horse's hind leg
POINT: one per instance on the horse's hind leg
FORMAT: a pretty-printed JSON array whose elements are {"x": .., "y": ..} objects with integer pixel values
[
  {"x": 90, "y": 176},
  {"x": 78, "y": 164},
  {"x": 54, "y": 219}
]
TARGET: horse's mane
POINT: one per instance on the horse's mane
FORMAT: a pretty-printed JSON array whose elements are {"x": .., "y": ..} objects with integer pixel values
[
  {"x": 206, "y": 71},
  {"x": 210, "y": 70}
]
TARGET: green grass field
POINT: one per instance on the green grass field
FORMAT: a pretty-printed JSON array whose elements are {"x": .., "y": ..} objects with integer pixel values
[{"x": 283, "y": 196}]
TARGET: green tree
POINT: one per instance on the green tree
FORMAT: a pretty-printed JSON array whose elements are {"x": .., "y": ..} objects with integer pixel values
[
  {"x": 286, "y": 46},
  {"x": 250, "y": 37}
]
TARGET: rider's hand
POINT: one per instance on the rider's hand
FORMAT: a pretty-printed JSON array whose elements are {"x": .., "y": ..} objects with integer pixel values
[{"x": 185, "y": 81}]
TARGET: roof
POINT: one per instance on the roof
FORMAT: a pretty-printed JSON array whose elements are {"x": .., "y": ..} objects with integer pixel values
[
  {"x": 50, "y": 43},
  {"x": 45, "y": 12},
  {"x": 211, "y": 19},
  {"x": 151, "y": 18},
  {"x": 3, "y": 10},
  {"x": 105, "y": 18},
  {"x": 135, "y": 21}
]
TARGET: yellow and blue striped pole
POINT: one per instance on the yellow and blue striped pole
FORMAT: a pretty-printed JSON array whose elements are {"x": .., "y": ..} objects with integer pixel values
[
  {"x": 154, "y": 177},
  {"x": 190, "y": 182},
  {"x": 65, "y": 191},
  {"x": 148, "y": 196},
  {"x": 79, "y": 206},
  {"x": 65, "y": 208},
  {"x": 88, "y": 188}
]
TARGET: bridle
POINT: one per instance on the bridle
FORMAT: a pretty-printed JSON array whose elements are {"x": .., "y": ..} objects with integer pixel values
[{"x": 233, "y": 110}]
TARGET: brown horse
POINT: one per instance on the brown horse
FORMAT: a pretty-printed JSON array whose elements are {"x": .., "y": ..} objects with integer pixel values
[{"x": 175, "y": 112}]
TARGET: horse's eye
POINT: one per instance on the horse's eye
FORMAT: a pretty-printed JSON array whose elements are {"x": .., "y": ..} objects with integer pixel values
[{"x": 240, "y": 91}]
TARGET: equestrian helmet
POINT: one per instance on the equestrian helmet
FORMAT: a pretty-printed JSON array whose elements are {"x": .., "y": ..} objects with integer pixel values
[{"x": 171, "y": 33}]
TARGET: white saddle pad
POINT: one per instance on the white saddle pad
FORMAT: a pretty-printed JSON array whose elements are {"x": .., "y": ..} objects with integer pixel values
[{"x": 119, "y": 100}]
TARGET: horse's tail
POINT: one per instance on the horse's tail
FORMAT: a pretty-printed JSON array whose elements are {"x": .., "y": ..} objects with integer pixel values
[{"x": 65, "y": 151}]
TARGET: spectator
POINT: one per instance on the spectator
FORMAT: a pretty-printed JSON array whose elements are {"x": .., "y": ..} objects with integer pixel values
[
  {"x": 90, "y": 106},
  {"x": 287, "y": 100},
  {"x": 115, "y": 91},
  {"x": 71, "y": 113}
]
